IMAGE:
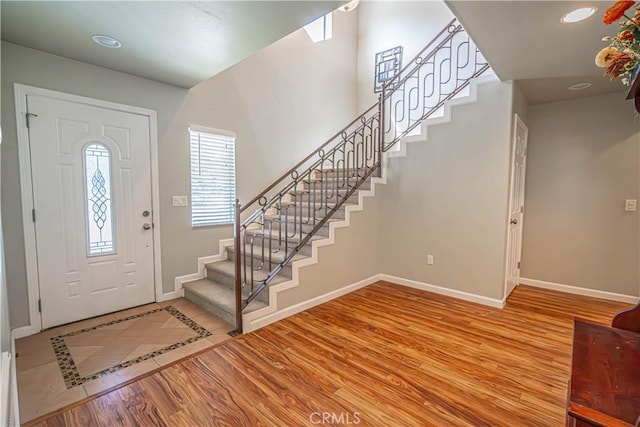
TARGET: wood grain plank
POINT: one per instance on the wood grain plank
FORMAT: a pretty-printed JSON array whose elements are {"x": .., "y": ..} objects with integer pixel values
[{"x": 390, "y": 355}]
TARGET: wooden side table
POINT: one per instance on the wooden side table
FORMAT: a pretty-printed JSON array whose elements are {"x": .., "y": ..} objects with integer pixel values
[{"x": 605, "y": 377}]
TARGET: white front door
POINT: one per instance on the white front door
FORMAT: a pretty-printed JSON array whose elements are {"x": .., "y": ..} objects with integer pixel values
[
  {"x": 516, "y": 203},
  {"x": 91, "y": 179}
]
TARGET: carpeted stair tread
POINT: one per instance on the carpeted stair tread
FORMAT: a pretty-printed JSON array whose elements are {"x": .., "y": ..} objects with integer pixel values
[
  {"x": 219, "y": 296},
  {"x": 228, "y": 268}
]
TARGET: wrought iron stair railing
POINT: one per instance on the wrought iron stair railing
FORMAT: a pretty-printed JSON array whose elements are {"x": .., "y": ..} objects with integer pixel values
[{"x": 290, "y": 211}]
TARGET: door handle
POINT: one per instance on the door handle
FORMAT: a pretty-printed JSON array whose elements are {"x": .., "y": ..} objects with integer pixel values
[
  {"x": 514, "y": 221},
  {"x": 146, "y": 226}
]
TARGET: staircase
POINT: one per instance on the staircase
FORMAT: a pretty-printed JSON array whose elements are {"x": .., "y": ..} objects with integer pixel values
[
  {"x": 216, "y": 292},
  {"x": 283, "y": 225}
]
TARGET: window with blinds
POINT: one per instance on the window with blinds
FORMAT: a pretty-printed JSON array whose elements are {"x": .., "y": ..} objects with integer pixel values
[{"x": 213, "y": 177}]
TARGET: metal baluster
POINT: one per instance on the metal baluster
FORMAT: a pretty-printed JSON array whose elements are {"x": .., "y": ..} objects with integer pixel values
[
  {"x": 270, "y": 243},
  {"x": 286, "y": 229},
  {"x": 381, "y": 101},
  {"x": 299, "y": 213},
  {"x": 295, "y": 224},
  {"x": 358, "y": 153},
  {"x": 315, "y": 187},
  {"x": 333, "y": 170},
  {"x": 252, "y": 268}
]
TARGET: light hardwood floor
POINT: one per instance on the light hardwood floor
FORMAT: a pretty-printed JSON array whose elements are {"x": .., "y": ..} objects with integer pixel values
[{"x": 385, "y": 355}]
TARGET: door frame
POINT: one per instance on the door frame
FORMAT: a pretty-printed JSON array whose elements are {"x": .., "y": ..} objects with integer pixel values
[
  {"x": 26, "y": 191},
  {"x": 517, "y": 120}
]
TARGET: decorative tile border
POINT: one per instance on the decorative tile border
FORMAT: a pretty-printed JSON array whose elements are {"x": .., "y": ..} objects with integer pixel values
[{"x": 68, "y": 367}]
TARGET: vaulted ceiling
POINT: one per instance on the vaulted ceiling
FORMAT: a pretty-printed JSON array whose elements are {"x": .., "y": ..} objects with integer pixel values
[
  {"x": 180, "y": 43},
  {"x": 525, "y": 41}
]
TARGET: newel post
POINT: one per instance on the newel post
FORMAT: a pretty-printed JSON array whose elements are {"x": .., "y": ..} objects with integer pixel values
[{"x": 238, "y": 264}]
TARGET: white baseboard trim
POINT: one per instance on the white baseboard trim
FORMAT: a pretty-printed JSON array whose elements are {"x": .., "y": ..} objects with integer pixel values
[
  {"x": 178, "y": 281},
  {"x": 595, "y": 293},
  {"x": 24, "y": 331},
  {"x": 479, "y": 299},
  {"x": 170, "y": 295},
  {"x": 253, "y": 324}
]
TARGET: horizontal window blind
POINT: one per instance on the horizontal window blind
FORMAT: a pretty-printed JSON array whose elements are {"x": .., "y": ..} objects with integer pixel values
[{"x": 213, "y": 178}]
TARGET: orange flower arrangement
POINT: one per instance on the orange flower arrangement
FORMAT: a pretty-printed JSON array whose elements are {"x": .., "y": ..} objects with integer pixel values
[
  {"x": 617, "y": 64},
  {"x": 616, "y": 11},
  {"x": 622, "y": 57}
]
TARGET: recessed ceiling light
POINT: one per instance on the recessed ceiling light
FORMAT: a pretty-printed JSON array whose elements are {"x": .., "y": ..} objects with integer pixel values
[
  {"x": 349, "y": 6},
  {"x": 580, "y": 86},
  {"x": 578, "y": 15},
  {"x": 106, "y": 41}
]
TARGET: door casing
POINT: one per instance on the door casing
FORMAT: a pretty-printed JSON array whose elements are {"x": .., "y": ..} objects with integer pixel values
[{"x": 26, "y": 188}]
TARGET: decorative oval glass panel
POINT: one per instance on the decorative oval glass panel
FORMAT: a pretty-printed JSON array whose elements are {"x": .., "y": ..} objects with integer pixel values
[{"x": 98, "y": 203}]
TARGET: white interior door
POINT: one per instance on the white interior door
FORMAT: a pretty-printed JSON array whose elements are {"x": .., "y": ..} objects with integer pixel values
[
  {"x": 91, "y": 177},
  {"x": 516, "y": 203}
]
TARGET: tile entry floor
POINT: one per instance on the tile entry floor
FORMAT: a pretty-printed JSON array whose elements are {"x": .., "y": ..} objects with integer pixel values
[{"x": 62, "y": 365}]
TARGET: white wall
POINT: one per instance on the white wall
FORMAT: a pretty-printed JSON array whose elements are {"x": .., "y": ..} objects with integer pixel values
[
  {"x": 281, "y": 102},
  {"x": 520, "y": 102},
  {"x": 448, "y": 197},
  {"x": 386, "y": 24},
  {"x": 583, "y": 162}
]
